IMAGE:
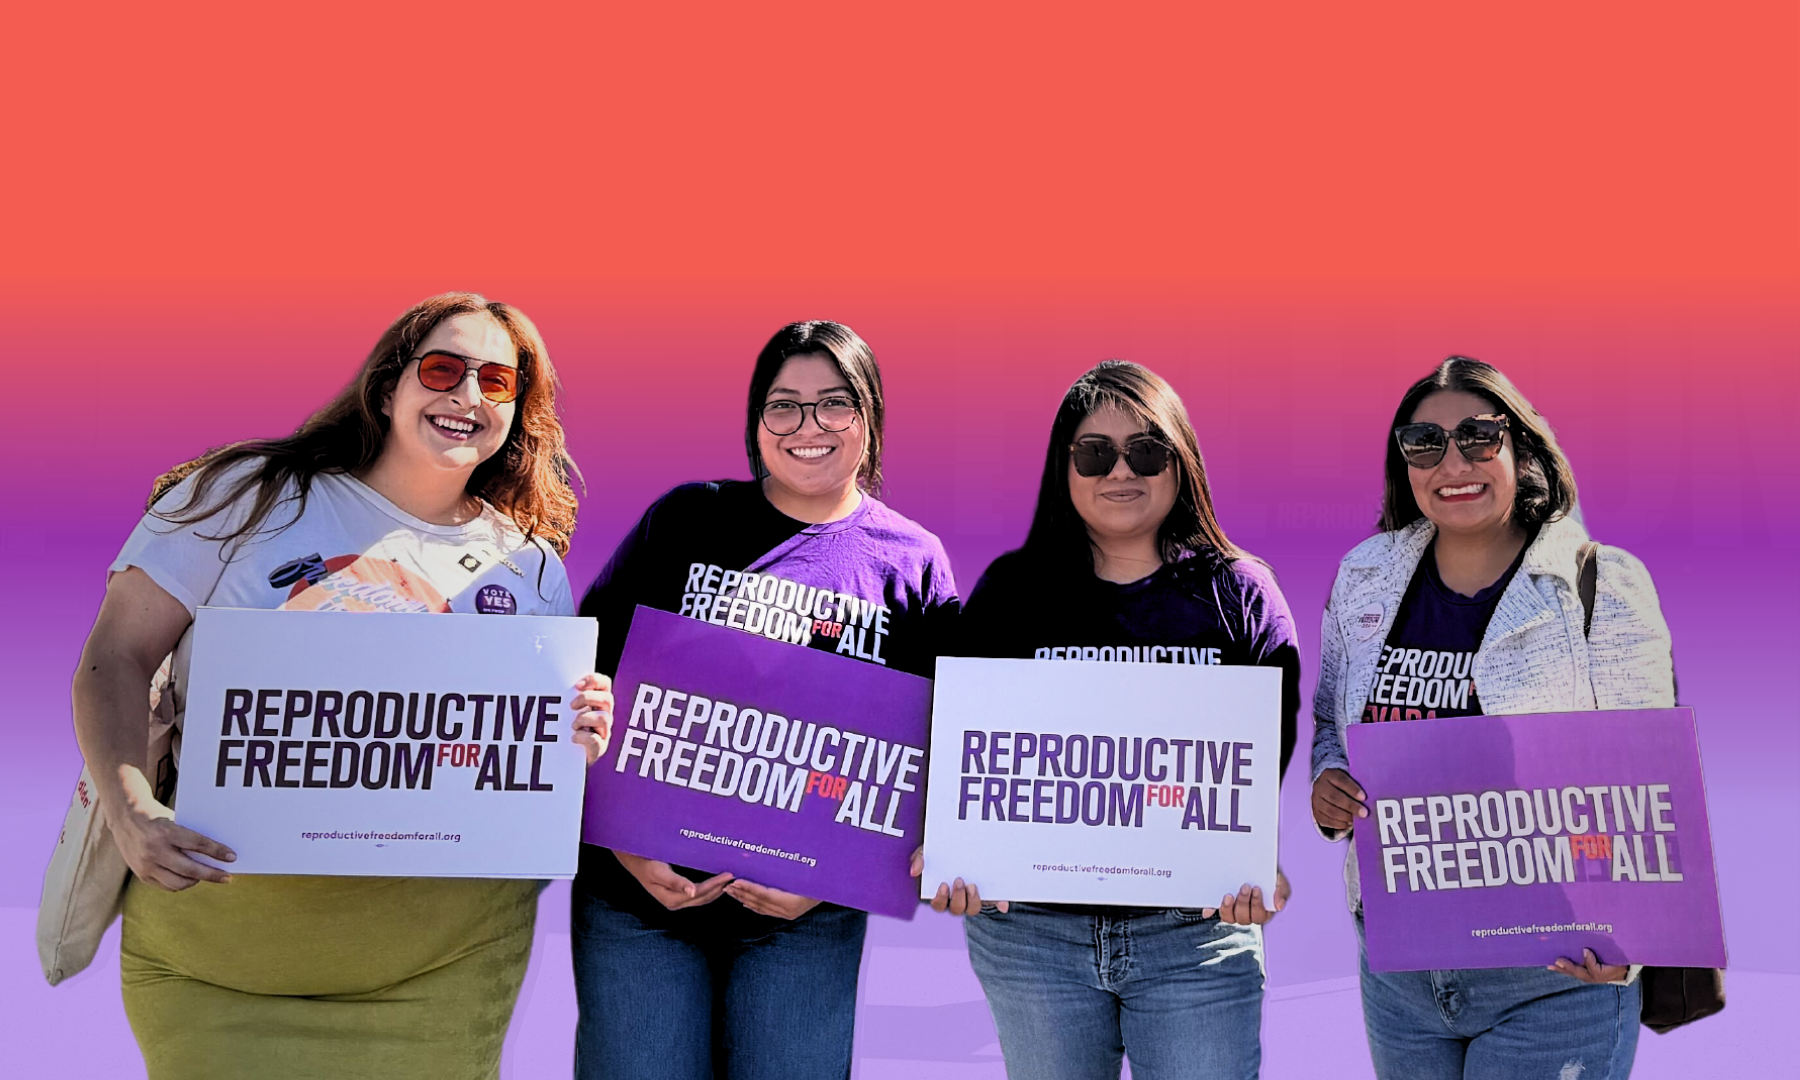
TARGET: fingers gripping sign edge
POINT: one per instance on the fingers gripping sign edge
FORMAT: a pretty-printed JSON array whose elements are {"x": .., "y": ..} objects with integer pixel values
[
  {"x": 593, "y": 704},
  {"x": 169, "y": 853}
]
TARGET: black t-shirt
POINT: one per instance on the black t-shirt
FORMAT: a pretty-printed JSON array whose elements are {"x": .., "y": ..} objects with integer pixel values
[
  {"x": 1199, "y": 610},
  {"x": 1427, "y": 666},
  {"x": 724, "y": 523},
  {"x": 873, "y": 586}
]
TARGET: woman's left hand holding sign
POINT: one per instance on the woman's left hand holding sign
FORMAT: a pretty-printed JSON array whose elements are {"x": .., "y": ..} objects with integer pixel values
[
  {"x": 1247, "y": 909},
  {"x": 958, "y": 898},
  {"x": 1589, "y": 969},
  {"x": 593, "y": 705}
]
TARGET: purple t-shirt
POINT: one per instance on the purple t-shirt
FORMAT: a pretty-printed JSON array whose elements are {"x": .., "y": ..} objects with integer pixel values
[
  {"x": 1427, "y": 666},
  {"x": 873, "y": 586}
]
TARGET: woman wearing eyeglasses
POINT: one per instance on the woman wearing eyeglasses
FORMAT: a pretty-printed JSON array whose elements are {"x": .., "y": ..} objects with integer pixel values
[
  {"x": 435, "y": 482},
  {"x": 1467, "y": 604},
  {"x": 681, "y": 974},
  {"x": 1125, "y": 558}
]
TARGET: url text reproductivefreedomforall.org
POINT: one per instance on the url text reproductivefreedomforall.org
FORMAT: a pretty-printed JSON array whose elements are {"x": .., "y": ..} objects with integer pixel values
[
  {"x": 1553, "y": 928},
  {"x": 732, "y": 841},
  {"x": 1141, "y": 871}
]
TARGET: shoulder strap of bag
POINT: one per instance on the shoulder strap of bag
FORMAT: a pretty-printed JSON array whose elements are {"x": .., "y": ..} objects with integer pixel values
[
  {"x": 1671, "y": 996},
  {"x": 805, "y": 535},
  {"x": 781, "y": 551},
  {"x": 1587, "y": 582}
]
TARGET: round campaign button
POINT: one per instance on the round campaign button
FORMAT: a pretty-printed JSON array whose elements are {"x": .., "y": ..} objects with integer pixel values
[{"x": 495, "y": 600}]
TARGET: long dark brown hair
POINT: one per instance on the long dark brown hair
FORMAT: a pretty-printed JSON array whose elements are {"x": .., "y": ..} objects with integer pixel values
[
  {"x": 528, "y": 479},
  {"x": 1058, "y": 536},
  {"x": 854, "y": 359},
  {"x": 1545, "y": 487}
]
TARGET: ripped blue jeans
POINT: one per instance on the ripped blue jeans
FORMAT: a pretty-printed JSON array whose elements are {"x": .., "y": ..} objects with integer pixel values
[
  {"x": 1496, "y": 1024},
  {"x": 1178, "y": 994}
]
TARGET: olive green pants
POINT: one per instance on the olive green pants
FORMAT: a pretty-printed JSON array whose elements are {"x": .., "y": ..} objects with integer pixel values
[{"x": 326, "y": 977}]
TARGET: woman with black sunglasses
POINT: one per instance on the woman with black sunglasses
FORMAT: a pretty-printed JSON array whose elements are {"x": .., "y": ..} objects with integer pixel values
[
  {"x": 684, "y": 975},
  {"x": 435, "y": 482},
  {"x": 1467, "y": 603},
  {"x": 1125, "y": 559}
]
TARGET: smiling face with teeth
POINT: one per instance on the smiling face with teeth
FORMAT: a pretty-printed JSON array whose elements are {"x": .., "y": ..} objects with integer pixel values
[
  {"x": 1459, "y": 495},
  {"x": 812, "y": 473},
  {"x": 455, "y": 429}
]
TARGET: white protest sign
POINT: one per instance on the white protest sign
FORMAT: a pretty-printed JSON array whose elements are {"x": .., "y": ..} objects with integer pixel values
[
  {"x": 385, "y": 744},
  {"x": 1103, "y": 783}
]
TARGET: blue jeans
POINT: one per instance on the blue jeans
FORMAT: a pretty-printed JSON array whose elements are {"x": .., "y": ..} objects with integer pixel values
[
  {"x": 1496, "y": 1024},
  {"x": 691, "y": 998},
  {"x": 1071, "y": 993}
]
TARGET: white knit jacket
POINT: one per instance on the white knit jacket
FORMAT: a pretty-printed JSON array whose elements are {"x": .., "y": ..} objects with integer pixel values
[{"x": 1533, "y": 658}]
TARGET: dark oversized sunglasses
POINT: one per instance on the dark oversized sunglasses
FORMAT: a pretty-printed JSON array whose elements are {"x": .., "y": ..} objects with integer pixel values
[
  {"x": 441, "y": 371},
  {"x": 1096, "y": 456},
  {"x": 1478, "y": 437}
]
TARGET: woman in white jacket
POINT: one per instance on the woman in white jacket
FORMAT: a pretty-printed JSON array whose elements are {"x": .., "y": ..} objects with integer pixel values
[{"x": 1466, "y": 603}]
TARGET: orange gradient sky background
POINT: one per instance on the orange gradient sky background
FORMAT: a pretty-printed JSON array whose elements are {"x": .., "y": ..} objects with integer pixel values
[{"x": 1356, "y": 148}]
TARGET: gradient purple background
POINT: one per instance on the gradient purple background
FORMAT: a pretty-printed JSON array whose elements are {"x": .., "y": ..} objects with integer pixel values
[{"x": 1291, "y": 398}]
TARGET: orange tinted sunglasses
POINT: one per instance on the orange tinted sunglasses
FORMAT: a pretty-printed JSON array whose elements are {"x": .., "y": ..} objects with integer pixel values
[{"x": 443, "y": 371}]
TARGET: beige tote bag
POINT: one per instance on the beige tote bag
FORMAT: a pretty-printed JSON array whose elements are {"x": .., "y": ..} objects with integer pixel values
[{"x": 86, "y": 879}]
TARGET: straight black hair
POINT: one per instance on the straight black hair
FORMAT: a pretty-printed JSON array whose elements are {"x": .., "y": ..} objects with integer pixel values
[{"x": 1058, "y": 537}]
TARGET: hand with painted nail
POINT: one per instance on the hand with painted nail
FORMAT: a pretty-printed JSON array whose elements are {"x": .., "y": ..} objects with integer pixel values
[
  {"x": 1247, "y": 908},
  {"x": 959, "y": 897},
  {"x": 1337, "y": 800},
  {"x": 670, "y": 889},
  {"x": 1590, "y": 970}
]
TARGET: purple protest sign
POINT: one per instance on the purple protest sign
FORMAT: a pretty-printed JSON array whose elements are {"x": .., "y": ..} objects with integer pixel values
[
  {"x": 792, "y": 768},
  {"x": 1505, "y": 841}
]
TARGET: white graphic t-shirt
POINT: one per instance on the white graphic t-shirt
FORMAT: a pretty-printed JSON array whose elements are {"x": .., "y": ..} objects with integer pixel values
[{"x": 351, "y": 550}]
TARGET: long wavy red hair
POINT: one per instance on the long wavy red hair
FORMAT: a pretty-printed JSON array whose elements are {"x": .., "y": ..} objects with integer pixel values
[{"x": 528, "y": 479}]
